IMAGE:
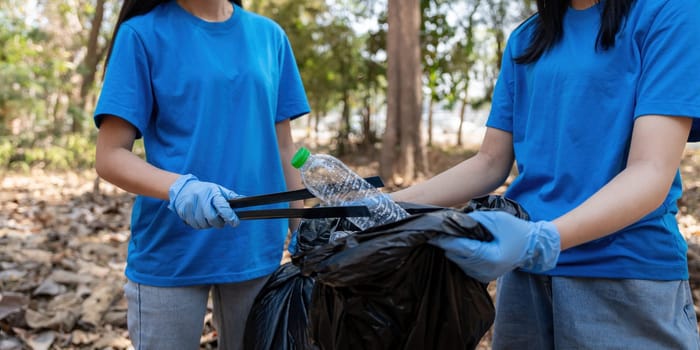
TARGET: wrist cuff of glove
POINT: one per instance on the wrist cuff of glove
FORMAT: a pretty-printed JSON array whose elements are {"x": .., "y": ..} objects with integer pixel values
[
  {"x": 177, "y": 186},
  {"x": 545, "y": 248}
]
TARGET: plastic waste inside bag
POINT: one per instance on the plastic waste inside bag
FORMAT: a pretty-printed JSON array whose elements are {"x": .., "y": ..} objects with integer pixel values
[{"x": 386, "y": 288}]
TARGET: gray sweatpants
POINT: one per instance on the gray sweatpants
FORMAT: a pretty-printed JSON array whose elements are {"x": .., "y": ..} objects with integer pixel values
[{"x": 173, "y": 317}]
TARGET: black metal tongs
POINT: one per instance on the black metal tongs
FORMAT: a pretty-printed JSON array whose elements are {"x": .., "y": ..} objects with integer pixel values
[{"x": 305, "y": 213}]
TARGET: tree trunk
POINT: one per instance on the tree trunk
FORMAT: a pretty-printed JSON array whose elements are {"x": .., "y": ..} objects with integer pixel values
[
  {"x": 467, "y": 66},
  {"x": 317, "y": 126},
  {"x": 309, "y": 125},
  {"x": 343, "y": 145},
  {"x": 368, "y": 137},
  {"x": 402, "y": 137},
  {"x": 430, "y": 121},
  {"x": 92, "y": 59},
  {"x": 391, "y": 130},
  {"x": 498, "y": 15},
  {"x": 411, "y": 112},
  {"x": 462, "y": 111}
]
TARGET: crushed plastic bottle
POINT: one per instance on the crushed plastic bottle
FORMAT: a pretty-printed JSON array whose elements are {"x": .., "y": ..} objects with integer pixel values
[{"x": 335, "y": 184}]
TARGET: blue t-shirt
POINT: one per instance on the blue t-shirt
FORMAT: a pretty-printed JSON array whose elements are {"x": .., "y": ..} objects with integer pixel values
[
  {"x": 571, "y": 114},
  {"x": 205, "y": 96}
]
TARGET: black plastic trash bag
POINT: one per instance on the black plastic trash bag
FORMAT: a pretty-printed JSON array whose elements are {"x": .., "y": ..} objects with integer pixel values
[
  {"x": 386, "y": 288},
  {"x": 383, "y": 288},
  {"x": 278, "y": 319},
  {"x": 494, "y": 202}
]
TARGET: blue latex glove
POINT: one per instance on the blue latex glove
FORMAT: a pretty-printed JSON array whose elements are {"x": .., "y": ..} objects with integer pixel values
[
  {"x": 534, "y": 246},
  {"x": 202, "y": 204}
]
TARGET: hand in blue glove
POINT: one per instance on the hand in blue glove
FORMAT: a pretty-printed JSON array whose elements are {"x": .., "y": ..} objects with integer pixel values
[
  {"x": 202, "y": 204},
  {"x": 534, "y": 246}
]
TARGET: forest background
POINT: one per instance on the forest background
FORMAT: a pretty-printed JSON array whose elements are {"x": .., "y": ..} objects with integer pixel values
[
  {"x": 398, "y": 88},
  {"x": 381, "y": 76}
]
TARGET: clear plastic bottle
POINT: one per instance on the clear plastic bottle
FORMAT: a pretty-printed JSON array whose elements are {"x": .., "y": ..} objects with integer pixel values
[{"x": 334, "y": 183}]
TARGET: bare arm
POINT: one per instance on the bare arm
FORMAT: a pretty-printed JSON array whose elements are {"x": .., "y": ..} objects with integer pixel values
[
  {"x": 655, "y": 154},
  {"x": 291, "y": 174},
  {"x": 476, "y": 176},
  {"x": 116, "y": 163}
]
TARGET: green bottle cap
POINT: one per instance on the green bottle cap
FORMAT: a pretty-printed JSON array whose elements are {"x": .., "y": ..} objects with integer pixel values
[{"x": 300, "y": 157}]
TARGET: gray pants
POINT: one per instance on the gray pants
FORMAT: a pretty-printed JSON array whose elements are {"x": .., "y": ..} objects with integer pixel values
[
  {"x": 173, "y": 317},
  {"x": 541, "y": 313}
]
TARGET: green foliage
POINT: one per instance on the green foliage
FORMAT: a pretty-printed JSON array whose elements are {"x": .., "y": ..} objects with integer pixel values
[
  {"x": 6, "y": 151},
  {"x": 340, "y": 47},
  {"x": 72, "y": 151}
]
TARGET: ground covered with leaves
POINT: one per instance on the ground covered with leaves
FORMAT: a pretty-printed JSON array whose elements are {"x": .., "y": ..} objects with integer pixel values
[{"x": 63, "y": 240}]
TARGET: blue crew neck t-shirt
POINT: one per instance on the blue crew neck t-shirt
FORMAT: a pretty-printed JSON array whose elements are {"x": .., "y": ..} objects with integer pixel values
[
  {"x": 571, "y": 114},
  {"x": 205, "y": 96}
]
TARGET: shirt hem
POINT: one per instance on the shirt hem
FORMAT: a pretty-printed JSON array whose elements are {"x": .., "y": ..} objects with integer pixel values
[
  {"x": 640, "y": 273},
  {"x": 182, "y": 281}
]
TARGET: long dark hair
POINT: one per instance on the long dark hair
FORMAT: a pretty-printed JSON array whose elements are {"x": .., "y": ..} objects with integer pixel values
[
  {"x": 548, "y": 26},
  {"x": 133, "y": 8}
]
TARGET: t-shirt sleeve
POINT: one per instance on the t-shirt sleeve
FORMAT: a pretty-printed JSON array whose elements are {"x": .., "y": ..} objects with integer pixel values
[
  {"x": 670, "y": 78},
  {"x": 291, "y": 102},
  {"x": 126, "y": 90},
  {"x": 501, "y": 115}
]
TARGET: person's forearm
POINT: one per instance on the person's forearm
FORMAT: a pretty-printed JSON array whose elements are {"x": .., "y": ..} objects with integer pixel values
[
  {"x": 474, "y": 177},
  {"x": 293, "y": 180},
  {"x": 655, "y": 154},
  {"x": 292, "y": 176},
  {"x": 634, "y": 193},
  {"x": 133, "y": 174}
]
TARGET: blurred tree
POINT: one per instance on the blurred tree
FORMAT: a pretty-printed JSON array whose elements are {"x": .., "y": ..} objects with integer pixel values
[
  {"x": 23, "y": 84},
  {"x": 358, "y": 58},
  {"x": 436, "y": 34},
  {"x": 52, "y": 51},
  {"x": 339, "y": 69},
  {"x": 496, "y": 19},
  {"x": 373, "y": 84},
  {"x": 361, "y": 69},
  {"x": 342, "y": 71},
  {"x": 94, "y": 51},
  {"x": 462, "y": 59},
  {"x": 402, "y": 156}
]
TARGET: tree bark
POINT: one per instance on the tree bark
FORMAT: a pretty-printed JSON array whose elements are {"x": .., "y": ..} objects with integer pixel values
[
  {"x": 368, "y": 136},
  {"x": 430, "y": 121},
  {"x": 403, "y": 133},
  {"x": 391, "y": 131},
  {"x": 462, "y": 111},
  {"x": 343, "y": 145},
  {"x": 92, "y": 59}
]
